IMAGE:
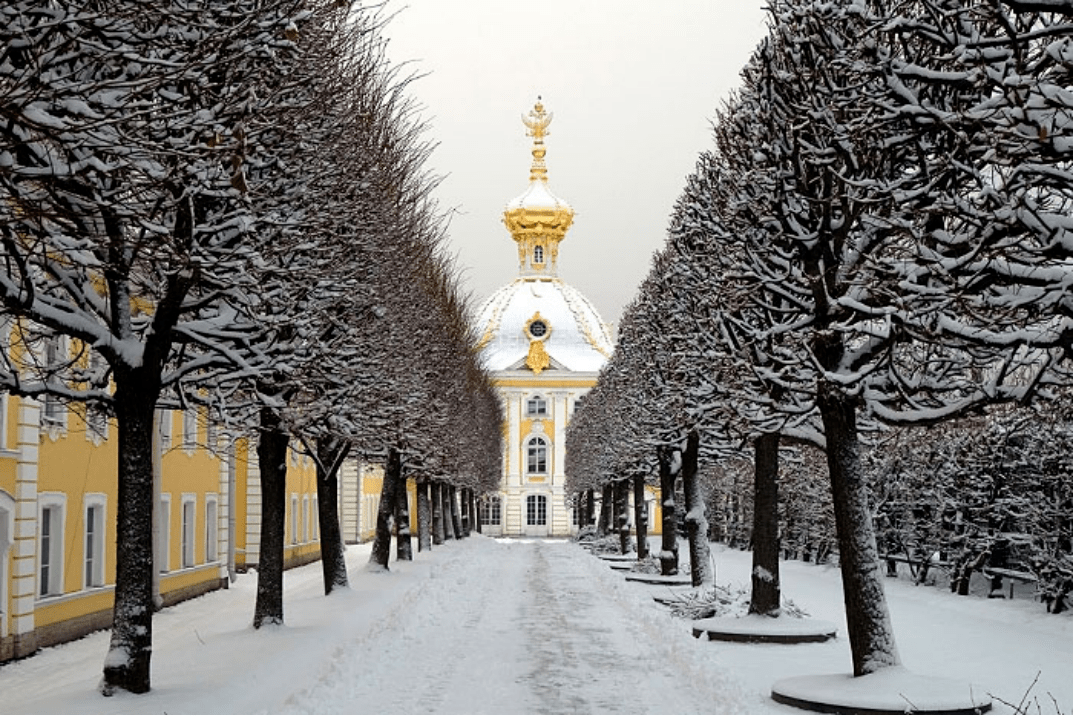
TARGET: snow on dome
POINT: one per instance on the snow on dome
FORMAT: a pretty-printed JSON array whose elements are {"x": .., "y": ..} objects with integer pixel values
[{"x": 576, "y": 339}]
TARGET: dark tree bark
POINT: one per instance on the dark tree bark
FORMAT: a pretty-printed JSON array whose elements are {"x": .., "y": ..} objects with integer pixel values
[
  {"x": 445, "y": 507},
  {"x": 272, "y": 461},
  {"x": 456, "y": 519},
  {"x": 697, "y": 527},
  {"x": 590, "y": 506},
  {"x": 765, "y": 593},
  {"x": 872, "y": 642},
  {"x": 641, "y": 520},
  {"x": 467, "y": 513},
  {"x": 425, "y": 542},
  {"x": 437, "y": 500},
  {"x": 622, "y": 514},
  {"x": 132, "y": 632},
  {"x": 404, "y": 550},
  {"x": 669, "y": 543},
  {"x": 331, "y": 452},
  {"x": 382, "y": 541},
  {"x": 607, "y": 510},
  {"x": 475, "y": 511}
]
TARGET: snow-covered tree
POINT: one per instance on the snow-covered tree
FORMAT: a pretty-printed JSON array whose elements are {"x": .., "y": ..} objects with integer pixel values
[{"x": 125, "y": 217}]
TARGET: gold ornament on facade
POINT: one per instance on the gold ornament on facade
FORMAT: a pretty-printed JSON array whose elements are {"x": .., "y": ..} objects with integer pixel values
[{"x": 537, "y": 359}]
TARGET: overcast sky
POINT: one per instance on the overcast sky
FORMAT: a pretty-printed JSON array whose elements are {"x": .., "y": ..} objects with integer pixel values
[{"x": 632, "y": 85}]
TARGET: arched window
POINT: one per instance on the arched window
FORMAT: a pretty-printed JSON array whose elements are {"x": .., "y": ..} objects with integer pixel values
[
  {"x": 537, "y": 456},
  {"x": 536, "y": 406},
  {"x": 538, "y": 254},
  {"x": 536, "y": 510}
]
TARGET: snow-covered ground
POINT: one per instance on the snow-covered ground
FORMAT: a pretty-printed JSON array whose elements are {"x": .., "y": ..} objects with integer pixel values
[{"x": 515, "y": 626}]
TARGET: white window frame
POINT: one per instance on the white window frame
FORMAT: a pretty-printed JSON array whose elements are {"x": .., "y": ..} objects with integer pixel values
[
  {"x": 53, "y": 410},
  {"x": 490, "y": 510},
  {"x": 3, "y": 415},
  {"x": 93, "y": 531},
  {"x": 188, "y": 515},
  {"x": 164, "y": 537},
  {"x": 294, "y": 518},
  {"x": 536, "y": 510},
  {"x": 50, "y": 555},
  {"x": 305, "y": 522},
  {"x": 212, "y": 527},
  {"x": 164, "y": 421},
  {"x": 190, "y": 429},
  {"x": 537, "y": 455},
  {"x": 536, "y": 406},
  {"x": 538, "y": 254},
  {"x": 315, "y": 519}
]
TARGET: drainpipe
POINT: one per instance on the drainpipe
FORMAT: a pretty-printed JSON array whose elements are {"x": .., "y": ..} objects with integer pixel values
[
  {"x": 158, "y": 482},
  {"x": 232, "y": 576}
]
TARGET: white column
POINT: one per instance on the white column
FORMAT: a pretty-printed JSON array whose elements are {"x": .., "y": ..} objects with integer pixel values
[
  {"x": 25, "y": 556},
  {"x": 253, "y": 504}
]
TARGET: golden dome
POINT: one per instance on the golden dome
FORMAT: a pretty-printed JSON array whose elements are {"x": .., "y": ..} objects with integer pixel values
[{"x": 538, "y": 219}]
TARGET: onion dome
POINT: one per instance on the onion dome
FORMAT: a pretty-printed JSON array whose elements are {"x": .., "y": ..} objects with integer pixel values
[{"x": 537, "y": 322}]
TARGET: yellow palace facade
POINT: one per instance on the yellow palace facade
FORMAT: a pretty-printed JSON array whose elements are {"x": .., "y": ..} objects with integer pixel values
[{"x": 57, "y": 517}]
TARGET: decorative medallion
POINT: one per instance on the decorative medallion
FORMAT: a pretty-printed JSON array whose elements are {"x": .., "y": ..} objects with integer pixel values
[{"x": 537, "y": 328}]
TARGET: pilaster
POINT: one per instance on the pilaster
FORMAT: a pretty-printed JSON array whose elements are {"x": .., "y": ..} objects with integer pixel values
[{"x": 25, "y": 554}]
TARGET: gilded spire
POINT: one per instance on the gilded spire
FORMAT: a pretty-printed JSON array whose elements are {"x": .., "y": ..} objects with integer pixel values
[{"x": 537, "y": 123}]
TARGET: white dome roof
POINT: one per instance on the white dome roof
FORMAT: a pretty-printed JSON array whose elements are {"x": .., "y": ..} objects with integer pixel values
[{"x": 576, "y": 340}]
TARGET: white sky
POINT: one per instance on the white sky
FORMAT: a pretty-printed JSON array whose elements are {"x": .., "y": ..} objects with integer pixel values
[{"x": 633, "y": 86}]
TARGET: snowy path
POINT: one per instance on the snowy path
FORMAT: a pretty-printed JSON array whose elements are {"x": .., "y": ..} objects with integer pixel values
[
  {"x": 517, "y": 626},
  {"x": 523, "y": 632}
]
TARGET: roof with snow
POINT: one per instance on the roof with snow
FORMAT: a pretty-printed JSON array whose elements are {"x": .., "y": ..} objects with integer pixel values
[{"x": 576, "y": 339}]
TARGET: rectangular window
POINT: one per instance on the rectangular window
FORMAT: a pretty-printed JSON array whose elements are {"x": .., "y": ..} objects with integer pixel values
[
  {"x": 536, "y": 510},
  {"x": 50, "y": 544},
  {"x": 96, "y": 422},
  {"x": 490, "y": 510},
  {"x": 53, "y": 411},
  {"x": 315, "y": 519},
  {"x": 305, "y": 518},
  {"x": 164, "y": 533},
  {"x": 294, "y": 519},
  {"x": 94, "y": 546},
  {"x": 188, "y": 531},
  {"x": 164, "y": 418},
  {"x": 3, "y": 420},
  {"x": 190, "y": 428},
  {"x": 211, "y": 529},
  {"x": 46, "y": 551}
]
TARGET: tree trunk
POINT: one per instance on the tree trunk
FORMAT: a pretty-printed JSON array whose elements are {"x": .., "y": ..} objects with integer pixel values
[
  {"x": 382, "y": 541},
  {"x": 669, "y": 543},
  {"x": 404, "y": 550},
  {"x": 872, "y": 642},
  {"x": 697, "y": 526},
  {"x": 445, "y": 506},
  {"x": 765, "y": 594},
  {"x": 590, "y": 506},
  {"x": 272, "y": 459},
  {"x": 437, "y": 501},
  {"x": 425, "y": 542},
  {"x": 606, "y": 510},
  {"x": 641, "y": 519},
  {"x": 330, "y": 455},
  {"x": 475, "y": 510},
  {"x": 456, "y": 519},
  {"x": 467, "y": 512},
  {"x": 131, "y": 643},
  {"x": 622, "y": 514}
]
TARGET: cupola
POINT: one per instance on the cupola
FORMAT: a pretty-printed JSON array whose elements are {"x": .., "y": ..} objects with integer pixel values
[{"x": 537, "y": 219}]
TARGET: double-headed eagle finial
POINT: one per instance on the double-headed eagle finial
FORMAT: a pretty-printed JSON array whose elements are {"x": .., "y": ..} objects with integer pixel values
[{"x": 537, "y": 122}]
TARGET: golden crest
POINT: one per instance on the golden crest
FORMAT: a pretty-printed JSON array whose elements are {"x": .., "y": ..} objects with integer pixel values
[{"x": 538, "y": 359}]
